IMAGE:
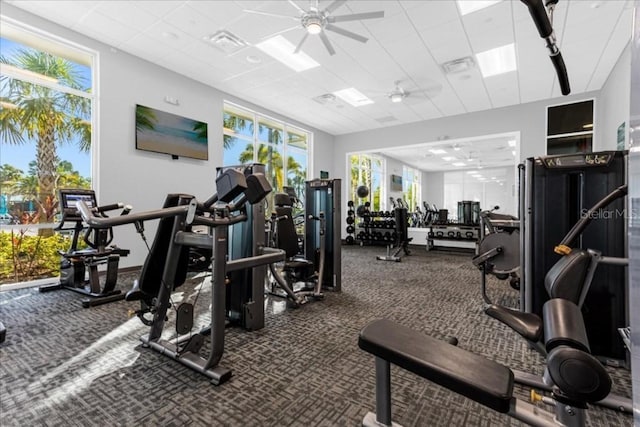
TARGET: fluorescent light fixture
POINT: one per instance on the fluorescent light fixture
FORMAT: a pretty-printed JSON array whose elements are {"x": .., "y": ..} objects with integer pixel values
[
  {"x": 448, "y": 158},
  {"x": 353, "y": 96},
  {"x": 437, "y": 151},
  {"x": 459, "y": 164},
  {"x": 512, "y": 143},
  {"x": 396, "y": 97},
  {"x": 513, "y": 152},
  {"x": 469, "y": 6},
  {"x": 496, "y": 61},
  {"x": 282, "y": 49},
  {"x": 472, "y": 172}
]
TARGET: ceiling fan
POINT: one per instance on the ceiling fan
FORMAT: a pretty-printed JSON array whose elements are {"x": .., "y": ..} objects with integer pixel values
[
  {"x": 316, "y": 22},
  {"x": 400, "y": 93}
]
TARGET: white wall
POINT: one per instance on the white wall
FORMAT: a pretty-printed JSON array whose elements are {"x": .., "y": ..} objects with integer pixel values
[
  {"x": 143, "y": 179},
  {"x": 433, "y": 188},
  {"x": 612, "y": 106}
]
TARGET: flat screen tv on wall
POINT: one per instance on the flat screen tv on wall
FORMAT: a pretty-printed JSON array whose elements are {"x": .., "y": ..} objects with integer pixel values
[
  {"x": 168, "y": 133},
  {"x": 396, "y": 183}
]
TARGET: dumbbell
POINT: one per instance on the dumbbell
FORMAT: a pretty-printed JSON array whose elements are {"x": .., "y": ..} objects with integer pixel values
[
  {"x": 350, "y": 220},
  {"x": 350, "y": 240},
  {"x": 351, "y": 229},
  {"x": 350, "y": 203}
]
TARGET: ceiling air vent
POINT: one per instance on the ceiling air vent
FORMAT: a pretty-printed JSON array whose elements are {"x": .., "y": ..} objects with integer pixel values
[
  {"x": 458, "y": 65},
  {"x": 225, "y": 42},
  {"x": 327, "y": 98}
]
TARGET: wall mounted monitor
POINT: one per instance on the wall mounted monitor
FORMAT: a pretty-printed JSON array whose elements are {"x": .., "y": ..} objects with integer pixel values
[{"x": 167, "y": 133}]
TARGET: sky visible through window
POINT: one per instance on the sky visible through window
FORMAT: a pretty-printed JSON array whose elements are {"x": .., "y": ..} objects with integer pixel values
[{"x": 19, "y": 156}]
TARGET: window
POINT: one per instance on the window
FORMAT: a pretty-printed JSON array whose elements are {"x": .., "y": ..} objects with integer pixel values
[
  {"x": 411, "y": 191},
  {"x": 367, "y": 170},
  {"x": 570, "y": 128},
  {"x": 47, "y": 94},
  {"x": 252, "y": 137}
]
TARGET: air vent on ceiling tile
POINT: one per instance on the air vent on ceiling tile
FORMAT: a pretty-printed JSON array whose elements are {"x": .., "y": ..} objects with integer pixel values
[
  {"x": 225, "y": 42},
  {"x": 459, "y": 65},
  {"x": 327, "y": 98},
  {"x": 386, "y": 119}
]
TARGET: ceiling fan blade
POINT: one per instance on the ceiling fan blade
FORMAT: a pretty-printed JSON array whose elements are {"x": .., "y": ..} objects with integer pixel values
[
  {"x": 298, "y": 8},
  {"x": 301, "y": 42},
  {"x": 327, "y": 43},
  {"x": 259, "y": 12},
  {"x": 345, "y": 33},
  {"x": 356, "y": 16},
  {"x": 333, "y": 6}
]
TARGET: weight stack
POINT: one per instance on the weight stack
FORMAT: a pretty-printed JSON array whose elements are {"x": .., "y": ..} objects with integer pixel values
[{"x": 351, "y": 224}]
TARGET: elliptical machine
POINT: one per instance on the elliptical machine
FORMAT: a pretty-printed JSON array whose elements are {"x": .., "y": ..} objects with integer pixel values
[{"x": 75, "y": 262}]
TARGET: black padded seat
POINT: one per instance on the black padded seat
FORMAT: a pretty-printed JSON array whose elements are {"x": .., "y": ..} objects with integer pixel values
[
  {"x": 566, "y": 278},
  {"x": 468, "y": 374},
  {"x": 528, "y": 325}
]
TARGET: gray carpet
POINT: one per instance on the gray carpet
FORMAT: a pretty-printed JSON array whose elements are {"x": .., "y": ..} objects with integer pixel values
[{"x": 63, "y": 365}]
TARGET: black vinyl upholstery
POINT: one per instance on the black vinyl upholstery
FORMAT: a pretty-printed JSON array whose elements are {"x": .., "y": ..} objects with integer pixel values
[
  {"x": 566, "y": 278},
  {"x": 287, "y": 238},
  {"x": 468, "y": 374},
  {"x": 153, "y": 268},
  {"x": 528, "y": 325},
  {"x": 564, "y": 325}
]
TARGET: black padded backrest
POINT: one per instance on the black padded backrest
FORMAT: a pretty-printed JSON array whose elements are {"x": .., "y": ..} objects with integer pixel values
[
  {"x": 566, "y": 278},
  {"x": 287, "y": 238},
  {"x": 282, "y": 199},
  {"x": 563, "y": 325},
  {"x": 151, "y": 275}
]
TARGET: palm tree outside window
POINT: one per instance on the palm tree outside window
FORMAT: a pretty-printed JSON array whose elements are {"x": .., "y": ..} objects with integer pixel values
[{"x": 45, "y": 127}]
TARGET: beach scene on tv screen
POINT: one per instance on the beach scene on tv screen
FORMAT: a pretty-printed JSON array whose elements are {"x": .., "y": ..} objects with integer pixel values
[{"x": 169, "y": 133}]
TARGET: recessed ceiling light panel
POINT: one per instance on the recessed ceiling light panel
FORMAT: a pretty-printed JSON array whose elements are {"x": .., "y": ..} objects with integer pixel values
[
  {"x": 353, "y": 96},
  {"x": 497, "y": 61},
  {"x": 470, "y": 6},
  {"x": 282, "y": 50},
  {"x": 437, "y": 151}
]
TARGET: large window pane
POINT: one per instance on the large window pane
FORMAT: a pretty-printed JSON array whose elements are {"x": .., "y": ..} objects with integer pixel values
[
  {"x": 46, "y": 101},
  {"x": 297, "y": 170}
]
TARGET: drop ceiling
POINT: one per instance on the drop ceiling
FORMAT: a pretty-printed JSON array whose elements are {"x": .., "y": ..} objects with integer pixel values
[{"x": 408, "y": 45}]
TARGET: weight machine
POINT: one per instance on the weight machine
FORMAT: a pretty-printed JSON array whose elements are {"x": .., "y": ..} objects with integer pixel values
[{"x": 168, "y": 259}]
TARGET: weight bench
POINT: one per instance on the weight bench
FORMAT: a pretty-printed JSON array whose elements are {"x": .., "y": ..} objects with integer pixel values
[{"x": 577, "y": 376}]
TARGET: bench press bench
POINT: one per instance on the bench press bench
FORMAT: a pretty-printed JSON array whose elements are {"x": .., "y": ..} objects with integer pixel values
[{"x": 578, "y": 378}]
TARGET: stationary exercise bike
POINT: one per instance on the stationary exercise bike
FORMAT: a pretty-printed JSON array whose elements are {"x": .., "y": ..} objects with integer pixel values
[{"x": 75, "y": 262}]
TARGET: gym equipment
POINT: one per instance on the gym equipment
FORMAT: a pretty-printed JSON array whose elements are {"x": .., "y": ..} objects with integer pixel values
[
  {"x": 468, "y": 212},
  {"x": 75, "y": 262},
  {"x": 556, "y": 192},
  {"x": 570, "y": 278},
  {"x": 295, "y": 269},
  {"x": 401, "y": 239},
  {"x": 245, "y": 293},
  {"x": 323, "y": 196},
  {"x": 577, "y": 378},
  {"x": 168, "y": 262},
  {"x": 544, "y": 24},
  {"x": 351, "y": 220},
  {"x": 362, "y": 191},
  {"x": 498, "y": 250}
]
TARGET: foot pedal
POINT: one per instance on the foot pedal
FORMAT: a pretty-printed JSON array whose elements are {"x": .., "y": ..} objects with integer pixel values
[{"x": 184, "y": 318}]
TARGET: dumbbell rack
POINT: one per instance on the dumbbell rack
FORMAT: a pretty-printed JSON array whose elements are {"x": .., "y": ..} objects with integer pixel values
[
  {"x": 351, "y": 224},
  {"x": 453, "y": 235},
  {"x": 376, "y": 228}
]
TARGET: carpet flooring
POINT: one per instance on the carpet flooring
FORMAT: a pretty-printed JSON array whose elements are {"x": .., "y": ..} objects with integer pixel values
[{"x": 64, "y": 365}]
